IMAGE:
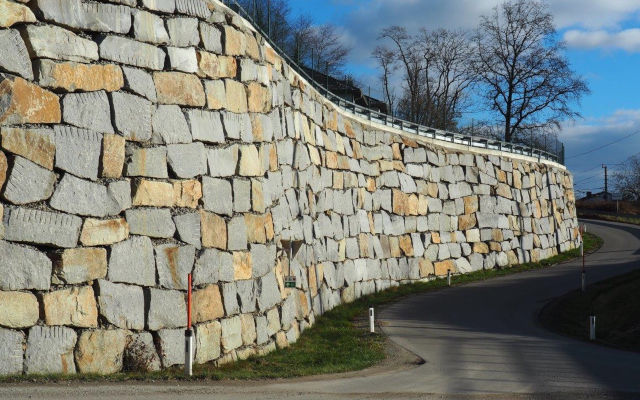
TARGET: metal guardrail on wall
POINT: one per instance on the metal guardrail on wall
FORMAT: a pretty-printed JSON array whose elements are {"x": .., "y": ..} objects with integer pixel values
[{"x": 406, "y": 126}]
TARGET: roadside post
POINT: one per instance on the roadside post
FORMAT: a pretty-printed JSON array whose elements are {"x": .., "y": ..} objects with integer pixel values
[
  {"x": 592, "y": 327},
  {"x": 372, "y": 328},
  {"x": 583, "y": 275},
  {"x": 188, "y": 335},
  {"x": 448, "y": 277}
]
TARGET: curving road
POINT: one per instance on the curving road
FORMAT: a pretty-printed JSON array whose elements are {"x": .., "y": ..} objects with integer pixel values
[{"x": 478, "y": 339}]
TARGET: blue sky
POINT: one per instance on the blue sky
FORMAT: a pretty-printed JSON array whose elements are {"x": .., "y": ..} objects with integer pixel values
[{"x": 603, "y": 46}]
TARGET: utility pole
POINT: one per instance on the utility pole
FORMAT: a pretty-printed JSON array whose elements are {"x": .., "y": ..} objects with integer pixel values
[{"x": 606, "y": 182}]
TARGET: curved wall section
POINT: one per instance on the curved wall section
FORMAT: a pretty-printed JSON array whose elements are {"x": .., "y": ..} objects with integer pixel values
[{"x": 142, "y": 141}]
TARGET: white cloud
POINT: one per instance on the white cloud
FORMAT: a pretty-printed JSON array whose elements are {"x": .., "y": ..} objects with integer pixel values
[
  {"x": 628, "y": 39},
  {"x": 619, "y": 123}
]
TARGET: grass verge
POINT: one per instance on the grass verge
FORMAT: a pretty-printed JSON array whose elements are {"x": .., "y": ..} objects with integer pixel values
[
  {"x": 614, "y": 302},
  {"x": 334, "y": 344},
  {"x": 612, "y": 218}
]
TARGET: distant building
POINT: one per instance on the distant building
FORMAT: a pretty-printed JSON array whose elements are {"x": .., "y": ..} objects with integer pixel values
[{"x": 601, "y": 196}]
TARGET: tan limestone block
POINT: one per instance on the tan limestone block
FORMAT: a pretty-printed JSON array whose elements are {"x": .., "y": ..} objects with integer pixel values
[
  {"x": 331, "y": 160},
  {"x": 281, "y": 340},
  {"x": 535, "y": 255},
  {"x": 357, "y": 151},
  {"x": 113, "y": 154},
  {"x": 207, "y": 304},
  {"x": 400, "y": 202},
  {"x": 496, "y": 235},
  {"x": 255, "y": 228},
  {"x": 250, "y": 161},
  {"x": 208, "y": 342},
  {"x": 242, "y": 265},
  {"x": 466, "y": 221},
  {"x": 512, "y": 257},
  {"x": 26, "y": 103},
  {"x": 409, "y": 142},
  {"x": 303, "y": 304},
  {"x": 97, "y": 232},
  {"x": 258, "y": 98},
  {"x": 272, "y": 56},
  {"x": 504, "y": 191},
  {"x": 235, "y": 42},
  {"x": 399, "y": 166},
  {"x": 340, "y": 144},
  {"x": 348, "y": 129},
  {"x": 495, "y": 246},
  {"x": 72, "y": 307},
  {"x": 153, "y": 194},
  {"x": 273, "y": 158},
  {"x": 363, "y": 244},
  {"x": 216, "y": 95},
  {"x": 331, "y": 122},
  {"x": 435, "y": 238},
  {"x": 18, "y": 309},
  {"x": 31, "y": 144},
  {"x": 342, "y": 249},
  {"x": 80, "y": 265},
  {"x": 338, "y": 180},
  {"x": 406, "y": 245},
  {"x": 253, "y": 50},
  {"x": 268, "y": 226},
  {"x": 215, "y": 66},
  {"x": 179, "y": 88},
  {"x": 470, "y": 204},
  {"x": 394, "y": 247},
  {"x": 236, "y": 96},
  {"x": 441, "y": 268},
  {"x": 423, "y": 205},
  {"x": 412, "y": 205},
  {"x": 432, "y": 189},
  {"x": 257, "y": 197},
  {"x": 101, "y": 351},
  {"x": 213, "y": 230},
  {"x": 13, "y": 13},
  {"x": 3, "y": 169},
  {"x": 248, "y": 329},
  {"x": 481, "y": 248},
  {"x": 314, "y": 155},
  {"x": 313, "y": 283},
  {"x": 187, "y": 193},
  {"x": 71, "y": 76},
  {"x": 501, "y": 176},
  {"x": 397, "y": 153},
  {"x": 426, "y": 267},
  {"x": 517, "y": 179},
  {"x": 257, "y": 128},
  {"x": 371, "y": 185}
]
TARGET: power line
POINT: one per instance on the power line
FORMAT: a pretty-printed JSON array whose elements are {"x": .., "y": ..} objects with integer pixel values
[{"x": 602, "y": 147}]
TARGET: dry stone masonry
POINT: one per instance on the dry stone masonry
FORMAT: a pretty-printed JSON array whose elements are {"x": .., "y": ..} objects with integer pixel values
[{"x": 142, "y": 140}]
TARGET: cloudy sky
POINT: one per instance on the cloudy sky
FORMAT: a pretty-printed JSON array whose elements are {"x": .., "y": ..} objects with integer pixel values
[{"x": 603, "y": 46}]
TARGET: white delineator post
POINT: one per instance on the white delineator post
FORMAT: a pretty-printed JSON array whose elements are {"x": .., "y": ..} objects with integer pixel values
[
  {"x": 592, "y": 327},
  {"x": 448, "y": 277},
  {"x": 188, "y": 336},
  {"x": 372, "y": 328},
  {"x": 583, "y": 274}
]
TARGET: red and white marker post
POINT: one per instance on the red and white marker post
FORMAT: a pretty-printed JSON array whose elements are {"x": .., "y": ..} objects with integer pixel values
[
  {"x": 188, "y": 336},
  {"x": 583, "y": 275}
]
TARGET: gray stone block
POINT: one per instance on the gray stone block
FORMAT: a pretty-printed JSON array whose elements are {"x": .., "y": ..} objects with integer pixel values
[
  {"x": 288, "y": 312},
  {"x": 230, "y": 298},
  {"x": 211, "y": 38},
  {"x": 148, "y": 27},
  {"x": 121, "y": 305},
  {"x": 263, "y": 259},
  {"x": 23, "y": 268},
  {"x": 188, "y": 227},
  {"x": 13, "y": 54},
  {"x": 237, "y": 126},
  {"x": 148, "y": 162},
  {"x": 169, "y": 125},
  {"x": 11, "y": 352},
  {"x": 223, "y": 162},
  {"x": 155, "y": 223},
  {"x": 41, "y": 227},
  {"x": 165, "y": 6},
  {"x": 78, "y": 196},
  {"x": 132, "y": 115},
  {"x": 171, "y": 345},
  {"x": 167, "y": 309},
  {"x": 131, "y": 52},
  {"x": 89, "y": 110},
  {"x": 28, "y": 182},
  {"x": 231, "y": 333},
  {"x": 132, "y": 262},
  {"x": 206, "y": 126},
  {"x": 267, "y": 292},
  {"x": 246, "y": 295},
  {"x": 237, "y": 234},
  {"x": 139, "y": 82},
  {"x": 213, "y": 266},
  {"x": 194, "y": 8},
  {"x": 262, "y": 330},
  {"x": 78, "y": 151},
  {"x": 217, "y": 195},
  {"x": 174, "y": 263},
  {"x": 140, "y": 354},
  {"x": 50, "y": 350},
  {"x": 207, "y": 342},
  {"x": 187, "y": 160},
  {"x": 241, "y": 195},
  {"x": 183, "y": 59},
  {"x": 76, "y": 14},
  {"x": 49, "y": 41},
  {"x": 183, "y": 32}
]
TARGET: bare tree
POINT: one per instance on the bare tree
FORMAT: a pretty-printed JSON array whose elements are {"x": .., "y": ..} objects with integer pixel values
[
  {"x": 273, "y": 16},
  {"x": 627, "y": 179},
  {"x": 325, "y": 49},
  {"x": 386, "y": 60},
  {"x": 524, "y": 75}
]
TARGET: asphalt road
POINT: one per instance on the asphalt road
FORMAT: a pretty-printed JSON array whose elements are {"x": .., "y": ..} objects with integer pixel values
[{"x": 480, "y": 340}]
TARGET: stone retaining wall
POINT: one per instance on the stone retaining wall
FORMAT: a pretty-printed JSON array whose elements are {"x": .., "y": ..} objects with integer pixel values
[{"x": 145, "y": 139}]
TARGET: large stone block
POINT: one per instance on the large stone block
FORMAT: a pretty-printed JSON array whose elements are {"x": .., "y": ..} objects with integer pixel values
[
  {"x": 41, "y": 227},
  {"x": 131, "y": 52},
  {"x": 213, "y": 266},
  {"x": 188, "y": 227},
  {"x": 167, "y": 309},
  {"x": 139, "y": 82},
  {"x": 50, "y": 41},
  {"x": 132, "y": 262},
  {"x": 184, "y": 60},
  {"x": 140, "y": 354},
  {"x": 223, "y": 162},
  {"x": 113, "y": 152},
  {"x": 11, "y": 351},
  {"x": 250, "y": 162},
  {"x": 235, "y": 42},
  {"x": 23, "y": 268},
  {"x": 36, "y": 145},
  {"x": 165, "y": 6},
  {"x": 267, "y": 292},
  {"x": 3, "y": 172},
  {"x": 194, "y": 8},
  {"x": 187, "y": 160},
  {"x": 13, "y": 52},
  {"x": 216, "y": 67},
  {"x": 132, "y": 116},
  {"x": 216, "y": 94},
  {"x": 19, "y": 310},
  {"x": 207, "y": 342},
  {"x": 71, "y": 76},
  {"x": 149, "y": 162},
  {"x": 214, "y": 231},
  {"x": 238, "y": 126},
  {"x": 231, "y": 333},
  {"x": 148, "y": 27},
  {"x": 101, "y": 351},
  {"x": 50, "y": 350},
  {"x": 156, "y": 223},
  {"x": 80, "y": 265},
  {"x": 171, "y": 346},
  {"x": 236, "y": 101},
  {"x": 76, "y": 14},
  {"x": 170, "y": 126},
  {"x": 78, "y": 150},
  {"x": 237, "y": 234},
  {"x": 13, "y": 13},
  {"x": 28, "y": 182},
  {"x": 121, "y": 305},
  {"x": 179, "y": 88},
  {"x": 207, "y": 304},
  {"x": 97, "y": 232},
  {"x": 187, "y": 193},
  {"x": 183, "y": 32},
  {"x": 78, "y": 196},
  {"x": 153, "y": 194},
  {"x": 72, "y": 307},
  {"x": 174, "y": 263},
  {"x": 206, "y": 126},
  {"x": 217, "y": 195},
  {"x": 89, "y": 110},
  {"x": 26, "y": 103},
  {"x": 211, "y": 38}
]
